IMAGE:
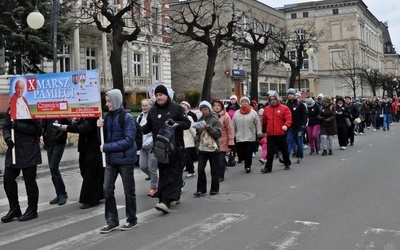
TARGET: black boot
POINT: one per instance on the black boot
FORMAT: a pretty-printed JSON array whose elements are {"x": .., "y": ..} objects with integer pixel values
[
  {"x": 28, "y": 215},
  {"x": 324, "y": 152},
  {"x": 13, "y": 213}
]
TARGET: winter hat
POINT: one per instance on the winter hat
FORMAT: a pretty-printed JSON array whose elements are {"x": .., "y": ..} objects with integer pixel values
[
  {"x": 115, "y": 96},
  {"x": 310, "y": 102},
  {"x": 245, "y": 98},
  {"x": 218, "y": 101},
  {"x": 320, "y": 96},
  {"x": 326, "y": 99},
  {"x": 161, "y": 89},
  {"x": 274, "y": 94},
  {"x": 291, "y": 91},
  {"x": 357, "y": 100},
  {"x": 205, "y": 104},
  {"x": 339, "y": 97},
  {"x": 186, "y": 103},
  {"x": 298, "y": 95},
  {"x": 233, "y": 97}
]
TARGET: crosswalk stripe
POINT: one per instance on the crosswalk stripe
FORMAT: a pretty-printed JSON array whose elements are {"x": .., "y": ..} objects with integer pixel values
[
  {"x": 93, "y": 237},
  {"x": 4, "y": 201},
  {"x": 41, "y": 206},
  {"x": 198, "y": 233},
  {"x": 49, "y": 225}
]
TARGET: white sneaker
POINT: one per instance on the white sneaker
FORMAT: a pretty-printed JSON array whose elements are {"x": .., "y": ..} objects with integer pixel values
[
  {"x": 190, "y": 175},
  {"x": 342, "y": 147},
  {"x": 162, "y": 207},
  {"x": 374, "y": 129},
  {"x": 361, "y": 133}
]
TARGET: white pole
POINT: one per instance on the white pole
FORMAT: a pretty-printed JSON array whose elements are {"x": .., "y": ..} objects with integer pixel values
[{"x": 14, "y": 159}]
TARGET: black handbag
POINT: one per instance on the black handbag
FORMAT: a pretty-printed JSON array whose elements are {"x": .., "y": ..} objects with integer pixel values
[{"x": 231, "y": 160}]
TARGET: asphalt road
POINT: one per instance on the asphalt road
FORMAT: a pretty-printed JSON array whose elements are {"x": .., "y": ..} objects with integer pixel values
[{"x": 347, "y": 201}]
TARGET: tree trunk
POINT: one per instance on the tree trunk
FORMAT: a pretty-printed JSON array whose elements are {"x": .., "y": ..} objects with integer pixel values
[
  {"x": 212, "y": 58},
  {"x": 292, "y": 79},
  {"x": 254, "y": 75},
  {"x": 116, "y": 64}
]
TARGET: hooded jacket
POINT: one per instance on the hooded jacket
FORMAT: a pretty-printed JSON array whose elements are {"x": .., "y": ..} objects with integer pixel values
[{"x": 119, "y": 146}]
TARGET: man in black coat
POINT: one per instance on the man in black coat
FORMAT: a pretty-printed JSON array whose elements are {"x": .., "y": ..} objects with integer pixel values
[
  {"x": 170, "y": 182},
  {"x": 27, "y": 152}
]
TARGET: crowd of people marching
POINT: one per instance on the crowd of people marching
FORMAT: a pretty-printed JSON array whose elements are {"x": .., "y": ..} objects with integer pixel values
[{"x": 281, "y": 129}]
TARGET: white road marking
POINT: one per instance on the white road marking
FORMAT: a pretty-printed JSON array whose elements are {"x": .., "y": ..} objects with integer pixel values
[
  {"x": 196, "y": 234},
  {"x": 4, "y": 201},
  {"x": 93, "y": 237},
  {"x": 292, "y": 237},
  {"x": 35, "y": 228}
]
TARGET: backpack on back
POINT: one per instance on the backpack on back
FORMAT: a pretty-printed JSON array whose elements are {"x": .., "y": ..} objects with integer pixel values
[
  {"x": 165, "y": 149},
  {"x": 139, "y": 133}
]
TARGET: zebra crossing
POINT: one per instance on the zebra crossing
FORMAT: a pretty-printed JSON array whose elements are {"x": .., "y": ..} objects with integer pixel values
[{"x": 290, "y": 234}]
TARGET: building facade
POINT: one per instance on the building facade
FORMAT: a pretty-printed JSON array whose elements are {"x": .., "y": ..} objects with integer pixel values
[
  {"x": 232, "y": 72},
  {"x": 345, "y": 27}
]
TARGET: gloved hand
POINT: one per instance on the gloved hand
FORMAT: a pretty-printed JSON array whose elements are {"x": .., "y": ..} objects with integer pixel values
[
  {"x": 170, "y": 121},
  {"x": 10, "y": 143},
  {"x": 14, "y": 124}
]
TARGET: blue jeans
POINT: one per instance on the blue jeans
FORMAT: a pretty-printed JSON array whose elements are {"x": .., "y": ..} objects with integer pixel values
[
  {"x": 386, "y": 121},
  {"x": 54, "y": 155},
  {"x": 148, "y": 165},
  {"x": 296, "y": 136},
  {"x": 128, "y": 181}
]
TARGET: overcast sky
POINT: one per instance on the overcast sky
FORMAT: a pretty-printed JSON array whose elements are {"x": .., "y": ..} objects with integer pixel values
[{"x": 388, "y": 10}]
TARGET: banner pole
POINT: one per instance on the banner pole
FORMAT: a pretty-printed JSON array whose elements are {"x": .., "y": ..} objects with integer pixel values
[{"x": 14, "y": 158}]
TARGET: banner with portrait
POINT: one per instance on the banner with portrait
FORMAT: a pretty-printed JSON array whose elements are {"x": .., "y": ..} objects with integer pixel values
[{"x": 57, "y": 95}]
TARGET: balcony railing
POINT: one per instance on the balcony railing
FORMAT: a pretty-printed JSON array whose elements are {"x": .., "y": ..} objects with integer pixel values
[{"x": 131, "y": 84}]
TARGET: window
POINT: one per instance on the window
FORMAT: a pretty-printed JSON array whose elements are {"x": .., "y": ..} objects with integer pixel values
[
  {"x": 247, "y": 54},
  {"x": 137, "y": 64},
  {"x": 305, "y": 14},
  {"x": 155, "y": 17},
  {"x": 335, "y": 11},
  {"x": 65, "y": 58},
  {"x": 292, "y": 55},
  {"x": 156, "y": 67},
  {"x": 300, "y": 34},
  {"x": 91, "y": 58},
  {"x": 294, "y": 16}
]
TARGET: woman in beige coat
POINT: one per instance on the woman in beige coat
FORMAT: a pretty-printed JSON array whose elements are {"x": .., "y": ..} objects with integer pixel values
[{"x": 247, "y": 128}]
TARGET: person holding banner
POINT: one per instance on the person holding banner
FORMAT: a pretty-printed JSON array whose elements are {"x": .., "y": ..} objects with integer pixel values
[
  {"x": 54, "y": 143},
  {"x": 90, "y": 161},
  {"x": 120, "y": 148},
  {"x": 19, "y": 104},
  {"x": 27, "y": 156}
]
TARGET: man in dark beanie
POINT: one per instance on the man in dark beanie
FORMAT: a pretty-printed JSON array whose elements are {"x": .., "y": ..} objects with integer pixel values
[
  {"x": 170, "y": 182},
  {"x": 161, "y": 89}
]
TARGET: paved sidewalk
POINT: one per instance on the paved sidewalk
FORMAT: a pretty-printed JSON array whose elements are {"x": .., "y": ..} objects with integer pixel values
[{"x": 68, "y": 162}]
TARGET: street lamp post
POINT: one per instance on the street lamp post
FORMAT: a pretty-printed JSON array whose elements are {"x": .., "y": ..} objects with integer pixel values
[{"x": 35, "y": 20}]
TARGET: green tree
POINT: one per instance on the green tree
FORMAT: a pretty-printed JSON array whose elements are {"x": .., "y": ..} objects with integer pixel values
[{"x": 26, "y": 48}]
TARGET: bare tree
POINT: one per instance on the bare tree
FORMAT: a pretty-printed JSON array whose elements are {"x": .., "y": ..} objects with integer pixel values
[
  {"x": 348, "y": 66},
  {"x": 372, "y": 76},
  {"x": 117, "y": 26},
  {"x": 204, "y": 22},
  {"x": 290, "y": 47},
  {"x": 255, "y": 38}
]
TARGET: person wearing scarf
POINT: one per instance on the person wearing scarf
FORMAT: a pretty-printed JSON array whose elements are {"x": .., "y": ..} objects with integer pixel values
[{"x": 247, "y": 128}]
